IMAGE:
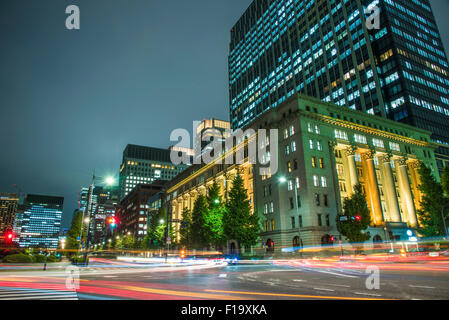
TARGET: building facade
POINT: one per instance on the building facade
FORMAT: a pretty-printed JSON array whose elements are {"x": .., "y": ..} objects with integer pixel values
[
  {"x": 41, "y": 221},
  {"x": 133, "y": 211},
  {"x": 83, "y": 197},
  {"x": 8, "y": 209},
  {"x": 182, "y": 191},
  {"x": 326, "y": 49},
  {"x": 144, "y": 165},
  {"x": 103, "y": 205},
  {"x": 323, "y": 152}
]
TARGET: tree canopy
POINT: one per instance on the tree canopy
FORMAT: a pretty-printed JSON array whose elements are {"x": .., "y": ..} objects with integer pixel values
[
  {"x": 433, "y": 202},
  {"x": 238, "y": 222},
  {"x": 357, "y": 216}
]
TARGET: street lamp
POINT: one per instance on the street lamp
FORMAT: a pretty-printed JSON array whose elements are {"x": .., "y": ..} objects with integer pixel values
[
  {"x": 283, "y": 180},
  {"x": 108, "y": 181}
]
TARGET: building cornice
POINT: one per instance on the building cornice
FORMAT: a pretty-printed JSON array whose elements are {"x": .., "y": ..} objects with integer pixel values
[{"x": 365, "y": 129}]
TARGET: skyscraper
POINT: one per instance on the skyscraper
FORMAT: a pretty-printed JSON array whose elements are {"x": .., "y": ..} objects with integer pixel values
[
  {"x": 326, "y": 49},
  {"x": 41, "y": 221},
  {"x": 82, "y": 199},
  {"x": 143, "y": 165},
  {"x": 8, "y": 209}
]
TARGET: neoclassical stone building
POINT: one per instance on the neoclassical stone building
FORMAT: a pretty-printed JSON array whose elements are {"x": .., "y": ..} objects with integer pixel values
[
  {"x": 185, "y": 188},
  {"x": 322, "y": 151}
]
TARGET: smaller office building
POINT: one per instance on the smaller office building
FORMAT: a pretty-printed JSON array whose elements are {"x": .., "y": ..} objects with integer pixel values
[{"x": 41, "y": 221}]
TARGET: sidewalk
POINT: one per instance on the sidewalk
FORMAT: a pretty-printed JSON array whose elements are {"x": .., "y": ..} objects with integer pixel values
[{"x": 7, "y": 267}]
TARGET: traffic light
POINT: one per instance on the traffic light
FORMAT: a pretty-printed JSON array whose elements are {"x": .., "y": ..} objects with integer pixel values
[
  {"x": 358, "y": 218},
  {"x": 9, "y": 236},
  {"x": 183, "y": 254},
  {"x": 112, "y": 222}
]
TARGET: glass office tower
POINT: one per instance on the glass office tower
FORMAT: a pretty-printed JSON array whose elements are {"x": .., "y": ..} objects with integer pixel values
[
  {"x": 144, "y": 165},
  {"x": 41, "y": 221},
  {"x": 325, "y": 49}
]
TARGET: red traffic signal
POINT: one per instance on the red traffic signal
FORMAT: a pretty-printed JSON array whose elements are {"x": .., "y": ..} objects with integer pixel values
[
  {"x": 358, "y": 218},
  {"x": 9, "y": 236},
  {"x": 112, "y": 220}
]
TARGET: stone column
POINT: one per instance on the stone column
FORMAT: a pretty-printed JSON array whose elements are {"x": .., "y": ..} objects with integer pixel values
[
  {"x": 406, "y": 192},
  {"x": 413, "y": 167},
  {"x": 373, "y": 188},
  {"x": 390, "y": 189},
  {"x": 332, "y": 145},
  {"x": 352, "y": 168}
]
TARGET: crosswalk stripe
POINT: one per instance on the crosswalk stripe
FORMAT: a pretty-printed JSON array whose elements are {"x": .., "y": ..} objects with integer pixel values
[
  {"x": 43, "y": 297},
  {"x": 36, "y": 294}
]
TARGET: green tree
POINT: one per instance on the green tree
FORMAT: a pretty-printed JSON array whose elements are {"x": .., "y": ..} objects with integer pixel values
[
  {"x": 198, "y": 234},
  {"x": 119, "y": 243},
  {"x": 185, "y": 231},
  {"x": 238, "y": 222},
  {"x": 213, "y": 219},
  {"x": 357, "y": 214},
  {"x": 72, "y": 242},
  {"x": 137, "y": 244},
  {"x": 445, "y": 181},
  {"x": 128, "y": 241},
  {"x": 155, "y": 237},
  {"x": 432, "y": 203}
]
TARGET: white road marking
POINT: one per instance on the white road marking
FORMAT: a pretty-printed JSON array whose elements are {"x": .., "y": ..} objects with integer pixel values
[
  {"x": 323, "y": 289},
  {"x": 339, "y": 285},
  {"x": 424, "y": 287},
  {"x": 368, "y": 294},
  {"x": 223, "y": 275},
  {"x": 299, "y": 280},
  {"x": 337, "y": 274}
]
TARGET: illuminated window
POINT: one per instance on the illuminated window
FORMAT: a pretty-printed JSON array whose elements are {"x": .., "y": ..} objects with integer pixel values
[
  {"x": 324, "y": 182},
  {"x": 316, "y": 181},
  {"x": 293, "y": 146},
  {"x": 321, "y": 163},
  {"x": 395, "y": 146},
  {"x": 378, "y": 143},
  {"x": 292, "y": 130}
]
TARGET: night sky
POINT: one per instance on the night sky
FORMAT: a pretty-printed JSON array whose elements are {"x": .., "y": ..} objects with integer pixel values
[{"x": 71, "y": 100}]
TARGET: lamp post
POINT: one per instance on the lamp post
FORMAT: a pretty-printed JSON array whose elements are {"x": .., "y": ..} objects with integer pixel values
[
  {"x": 283, "y": 180},
  {"x": 167, "y": 238},
  {"x": 444, "y": 220}
]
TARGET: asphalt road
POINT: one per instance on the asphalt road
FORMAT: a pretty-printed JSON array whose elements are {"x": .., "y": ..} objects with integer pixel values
[
  {"x": 285, "y": 280},
  {"x": 271, "y": 281}
]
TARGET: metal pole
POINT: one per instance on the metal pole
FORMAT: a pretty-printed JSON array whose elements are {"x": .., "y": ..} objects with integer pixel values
[
  {"x": 444, "y": 220},
  {"x": 297, "y": 214},
  {"x": 167, "y": 234},
  {"x": 89, "y": 209}
]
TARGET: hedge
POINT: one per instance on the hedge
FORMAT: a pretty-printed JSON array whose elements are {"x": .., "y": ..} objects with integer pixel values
[
  {"x": 40, "y": 258},
  {"x": 52, "y": 258},
  {"x": 18, "y": 258}
]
